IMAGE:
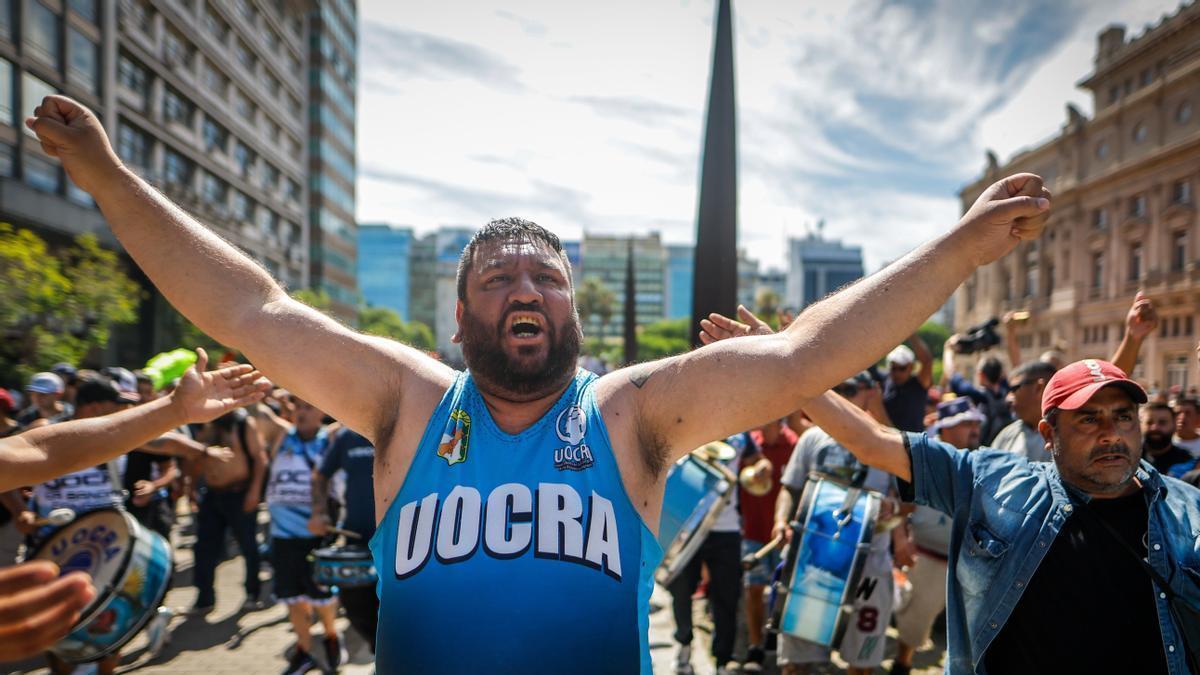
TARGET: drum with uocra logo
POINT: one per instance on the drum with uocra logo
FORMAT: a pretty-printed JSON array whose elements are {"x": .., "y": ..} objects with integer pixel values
[
  {"x": 698, "y": 487},
  {"x": 130, "y": 567},
  {"x": 343, "y": 566},
  {"x": 831, "y": 537}
]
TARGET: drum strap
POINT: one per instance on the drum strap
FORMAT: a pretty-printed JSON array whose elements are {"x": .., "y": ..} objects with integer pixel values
[{"x": 114, "y": 477}]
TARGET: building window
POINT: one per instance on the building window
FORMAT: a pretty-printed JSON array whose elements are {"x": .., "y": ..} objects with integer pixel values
[
  {"x": 84, "y": 61},
  {"x": 178, "y": 169},
  {"x": 177, "y": 51},
  {"x": 1183, "y": 114},
  {"x": 243, "y": 206},
  {"x": 1102, "y": 150},
  {"x": 215, "y": 135},
  {"x": 7, "y": 160},
  {"x": 41, "y": 32},
  {"x": 1135, "y": 262},
  {"x": 272, "y": 40},
  {"x": 1179, "y": 254},
  {"x": 1049, "y": 280},
  {"x": 1114, "y": 93},
  {"x": 272, "y": 83},
  {"x": 245, "y": 56},
  {"x": 41, "y": 173},
  {"x": 244, "y": 106},
  {"x": 85, "y": 9},
  {"x": 293, "y": 192},
  {"x": 33, "y": 90},
  {"x": 215, "y": 25},
  {"x": 1097, "y": 270},
  {"x": 176, "y": 107},
  {"x": 133, "y": 145},
  {"x": 133, "y": 75},
  {"x": 245, "y": 9},
  {"x": 1146, "y": 77},
  {"x": 270, "y": 177},
  {"x": 1100, "y": 219},
  {"x": 7, "y": 93},
  {"x": 244, "y": 157},
  {"x": 214, "y": 191},
  {"x": 1137, "y": 206},
  {"x": 214, "y": 79},
  {"x": 1181, "y": 192},
  {"x": 1140, "y": 131},
  {"x": 138, "y": 12},
  {"x": 6, "y": 19}
]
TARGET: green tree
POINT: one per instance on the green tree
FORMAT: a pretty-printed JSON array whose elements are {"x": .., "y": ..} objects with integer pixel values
[
  {"x": 935, "y": 335},
  {"x": 663, "y": 338},
  {"x": 766, "y": 303},
  {"x": 57, "y": 306},
  {"x": 594, "y": 299},
  {"x": 386, "y": 322}
]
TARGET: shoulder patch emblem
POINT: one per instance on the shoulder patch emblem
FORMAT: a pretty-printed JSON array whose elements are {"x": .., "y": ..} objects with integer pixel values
[{"x": 456, "y": 438}]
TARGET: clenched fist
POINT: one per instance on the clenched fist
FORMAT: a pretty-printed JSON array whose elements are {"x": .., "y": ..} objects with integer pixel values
[
  {"x": 1009, "y": 211},
  {"x": 72, "y": 133}
]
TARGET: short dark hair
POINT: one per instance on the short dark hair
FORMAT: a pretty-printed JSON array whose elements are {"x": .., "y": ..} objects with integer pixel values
[
  {"x": 1036, "y": 370},
  {"x": 1159, "y": 405},
  {"x": 991, "y": 368},
  {"x": 507, "y": 229},
  {"x": 1051, "y": 418},
  {"x": 96, "y": 389},
  {"x": 1187, "y": 400}
]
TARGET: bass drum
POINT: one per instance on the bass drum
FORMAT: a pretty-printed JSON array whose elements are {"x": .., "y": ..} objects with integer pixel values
[
  {"x": 343, "y": 567},
  {"x": 130, "y": 567},
  {"x": 698, "y": 487},
  {"x": 831, "y": 538}
]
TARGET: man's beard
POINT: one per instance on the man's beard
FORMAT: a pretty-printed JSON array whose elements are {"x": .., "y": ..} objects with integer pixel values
[
  {"x": 1156, "y": 440},
  {"x": 1086, "y": 479},
  {"x": 491, "y": 366}
]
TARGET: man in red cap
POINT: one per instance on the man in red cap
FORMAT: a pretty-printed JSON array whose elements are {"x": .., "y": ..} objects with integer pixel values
[{"x": 1044, "y": 553}]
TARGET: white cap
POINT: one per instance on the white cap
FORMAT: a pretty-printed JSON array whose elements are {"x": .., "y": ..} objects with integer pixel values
[{"x": 901, "y": 356}]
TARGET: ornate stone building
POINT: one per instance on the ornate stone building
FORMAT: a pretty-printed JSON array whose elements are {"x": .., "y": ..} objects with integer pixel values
[{"x": 1124, "y": 214}]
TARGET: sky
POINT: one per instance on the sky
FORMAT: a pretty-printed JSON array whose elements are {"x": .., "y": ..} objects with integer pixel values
[{"x": 868, "y": 115}]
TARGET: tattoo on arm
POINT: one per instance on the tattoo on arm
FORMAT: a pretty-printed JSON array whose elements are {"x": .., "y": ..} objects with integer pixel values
[{"x": 640, "y": 375}]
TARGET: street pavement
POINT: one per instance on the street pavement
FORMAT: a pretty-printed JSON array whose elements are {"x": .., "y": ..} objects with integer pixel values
[{"x": 229, "y": 640}]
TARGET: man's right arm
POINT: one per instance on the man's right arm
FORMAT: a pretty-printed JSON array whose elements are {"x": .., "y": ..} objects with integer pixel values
[{"x": 230, "y": 297}]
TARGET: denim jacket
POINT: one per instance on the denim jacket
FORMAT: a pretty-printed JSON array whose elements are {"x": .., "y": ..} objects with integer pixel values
[{"x": 1006, "y": 513}]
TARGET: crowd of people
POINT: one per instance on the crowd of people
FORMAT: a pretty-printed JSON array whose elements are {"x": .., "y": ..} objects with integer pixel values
[{"x": 522, "y": 497}]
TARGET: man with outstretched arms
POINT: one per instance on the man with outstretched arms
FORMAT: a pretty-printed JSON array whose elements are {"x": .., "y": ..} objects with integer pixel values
[{"x": 519, "y": 501}]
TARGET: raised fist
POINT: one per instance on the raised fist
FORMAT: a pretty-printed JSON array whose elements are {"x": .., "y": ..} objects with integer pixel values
[
  {"x": 1009, "y": 211},
  {"x": 72, "y": 133}
]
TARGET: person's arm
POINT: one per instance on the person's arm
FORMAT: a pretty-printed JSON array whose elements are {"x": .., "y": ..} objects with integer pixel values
[
  {"x": 320, "y": 521},
  {"x": 681, "y": 402},
  {"x": 47, "y": 452},
  {"x": 175, "y": 444},
  {"x": 257, "y": 454},
  {"x": 949, "y": 365},
  {"x": 875, "y": 405},
  {"x": 925, "y": 358},
  {"x": 1140, "y": 322},
  {"x": 1011, "y": 344},
  {"x": 233, "y": 299},
  {"x": 143, "y": 490}
]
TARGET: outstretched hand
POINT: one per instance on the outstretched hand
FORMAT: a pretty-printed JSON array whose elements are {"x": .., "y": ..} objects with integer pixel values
[
  {"x": 206, "y": 395},
  {"x": 719, "y": 327},
  {"x": 1009, "y": 211},
  {"x": 72, "y": 133}
]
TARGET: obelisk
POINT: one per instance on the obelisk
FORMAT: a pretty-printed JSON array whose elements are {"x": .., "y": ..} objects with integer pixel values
[{"x": 714, "y": 279}]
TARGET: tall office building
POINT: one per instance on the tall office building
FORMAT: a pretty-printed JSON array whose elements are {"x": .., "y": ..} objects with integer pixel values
[
  {"x": 678, "y": 287},
  {"x": 384, "y": 255},
  {"x": 332, "y": 72},
  {"x": 818, "y": 267},
  {"x": 747, "y": 281},
  {"x": 1124, "y": 214},
  {"x": 200, "y": 97},
  {"x": 605, "y": 257},
  {"x": 433, "y": 288}
]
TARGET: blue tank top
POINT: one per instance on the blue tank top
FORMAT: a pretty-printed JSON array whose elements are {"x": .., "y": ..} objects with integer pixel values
[
  {"x": 514, "y": 554},
  {"x": 289, "y": 484}
]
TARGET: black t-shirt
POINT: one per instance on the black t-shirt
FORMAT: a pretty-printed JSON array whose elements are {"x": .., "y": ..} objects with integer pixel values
[
  {"x": 140, "y": 466},
  {"x": 1087, "y": 592},
  {"x": 356, "y": 455},
  {"x": 1173, "y": 455},
  {"x": 905, "y": 403}
]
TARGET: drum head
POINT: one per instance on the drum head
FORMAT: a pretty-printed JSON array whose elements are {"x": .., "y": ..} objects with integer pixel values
[
  {"x": 342, "y": 553},
  {"x": 96, "y": 543},
  {"x": 716, "y": 451}
]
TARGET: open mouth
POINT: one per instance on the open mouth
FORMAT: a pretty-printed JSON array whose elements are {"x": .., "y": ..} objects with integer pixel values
[
  {"x": 526, "y": 325},
  {"x": 1111, "y": 459}
]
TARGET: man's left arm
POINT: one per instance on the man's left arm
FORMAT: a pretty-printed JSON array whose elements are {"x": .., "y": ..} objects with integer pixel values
[
  {"x": 681, "y": 402},
  {"x": 925, "y": 358},
  {"x": 1140, "y": 322}
]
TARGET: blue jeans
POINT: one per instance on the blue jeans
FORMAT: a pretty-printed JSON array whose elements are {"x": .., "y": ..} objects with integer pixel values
[{"x": 219, "y": 510}]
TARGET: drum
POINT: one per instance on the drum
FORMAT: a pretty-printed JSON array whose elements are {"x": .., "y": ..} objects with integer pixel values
[
  {"x": 831, "y": 537},
  {"x": 343, "y": 566},
  {"x": 130, "y": 567},
  {"x": 698, "y": 488}
]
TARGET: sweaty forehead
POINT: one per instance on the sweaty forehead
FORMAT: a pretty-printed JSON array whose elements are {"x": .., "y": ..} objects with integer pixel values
[{"x": 513, "y": 252}]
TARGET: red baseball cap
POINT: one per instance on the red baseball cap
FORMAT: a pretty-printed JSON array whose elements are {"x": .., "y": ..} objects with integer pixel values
[{"x": 1075, "y": 384}]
